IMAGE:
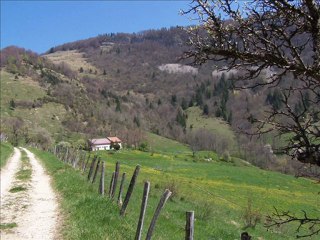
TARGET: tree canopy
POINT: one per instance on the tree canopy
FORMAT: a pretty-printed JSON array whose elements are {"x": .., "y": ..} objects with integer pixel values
[{"x": 272, "y": 44}]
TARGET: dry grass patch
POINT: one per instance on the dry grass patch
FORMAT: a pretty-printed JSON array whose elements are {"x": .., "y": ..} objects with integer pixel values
[{"x": 73, "y": 58}]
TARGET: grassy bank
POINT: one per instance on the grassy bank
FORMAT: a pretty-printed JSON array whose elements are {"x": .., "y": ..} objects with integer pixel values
[
  {"x": 222, "y": 194},
  {"x": 86, "y": 215},
  {"x": 5, "y": 151}
]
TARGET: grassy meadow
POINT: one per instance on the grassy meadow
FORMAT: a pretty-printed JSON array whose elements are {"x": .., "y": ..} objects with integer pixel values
[
  {"x": 160, "y": 144},
  {"x": 197, "y": 120},
  {"x": 224, "y": 196},
  {"x": 23, "y": 88}
]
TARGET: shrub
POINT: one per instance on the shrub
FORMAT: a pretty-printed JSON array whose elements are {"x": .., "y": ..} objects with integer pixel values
[
  {"x": 143, "y": 147},
  {"x": 64, "y": 144},
  {"x": 250, "y": 216},
  {"x": 226, "y": 157},
  {"x": 204, "y": 211},
  {"x": 116, "y": 146},
  {"x": 12, "y": 104},
  {"x": 80, "y": 144},
  {"x": 174, "y": 188},
  {"x": 41, "y": 138}
]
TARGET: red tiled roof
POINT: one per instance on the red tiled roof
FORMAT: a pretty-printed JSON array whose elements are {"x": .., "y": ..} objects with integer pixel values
[
  {"x": 100, "y": 141},
  {"x": 114, "y": 139}
]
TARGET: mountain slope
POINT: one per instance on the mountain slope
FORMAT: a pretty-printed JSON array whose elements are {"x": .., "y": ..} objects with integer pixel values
[
  {"x": 23, "y": 99},
  {"x": 126, "y": 84}
]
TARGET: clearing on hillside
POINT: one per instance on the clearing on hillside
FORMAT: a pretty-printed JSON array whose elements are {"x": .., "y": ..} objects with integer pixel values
[
  {"x": 196, "y": 120},
  {"x": 73, "y": 58}
]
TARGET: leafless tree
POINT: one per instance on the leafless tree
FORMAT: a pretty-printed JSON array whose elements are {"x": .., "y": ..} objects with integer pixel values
[
  {"x": 14, "y": 127},
  {"x": 312, "y": 224},
  {"x": 279, "y": 39}
]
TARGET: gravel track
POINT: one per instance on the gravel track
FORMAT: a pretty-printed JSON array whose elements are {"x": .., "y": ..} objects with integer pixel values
[{"x": 34, "y": 211}]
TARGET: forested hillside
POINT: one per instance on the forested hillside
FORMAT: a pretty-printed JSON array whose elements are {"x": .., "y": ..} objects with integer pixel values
[{"x": 128, "y": 84}]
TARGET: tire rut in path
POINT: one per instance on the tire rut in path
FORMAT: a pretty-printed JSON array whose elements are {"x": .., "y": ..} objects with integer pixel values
[
  {"x": 39, "y": 218},
  {"x": 7, "y": 172}
]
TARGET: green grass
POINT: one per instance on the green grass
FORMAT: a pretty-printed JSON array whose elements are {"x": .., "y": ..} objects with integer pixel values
[
  {"x": 86, "y": 214},
  {"x": 5, "y": 151},
  {"x": 17, "y": 89},
  {"x": 49, "y": 116},
  {"x": 217, "y": 126},
  {"x": 222, "y": 186},
  {"x": 17, "y": 189},
  {"x": 25, "y": 170},
  {"x": 24, "y": 174},
  {"x": 162, "y": 144},
  {"x": 218, "y": 192},
  {"x": 4, "y": 226}
]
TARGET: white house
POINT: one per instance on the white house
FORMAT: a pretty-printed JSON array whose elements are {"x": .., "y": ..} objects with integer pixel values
[
  {"x": 104, "y": 143},
  {"x": 100, "y": 144}
]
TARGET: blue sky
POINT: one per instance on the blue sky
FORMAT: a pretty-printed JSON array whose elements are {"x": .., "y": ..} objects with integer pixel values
[{"x": 39, "y": 25}]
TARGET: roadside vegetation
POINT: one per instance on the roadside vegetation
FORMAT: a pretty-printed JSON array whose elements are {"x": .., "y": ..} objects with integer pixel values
[
  {"x": 228, "y": 197},
  {"x": 6, "y": 226},
  {"x": 5, "y": 151}
]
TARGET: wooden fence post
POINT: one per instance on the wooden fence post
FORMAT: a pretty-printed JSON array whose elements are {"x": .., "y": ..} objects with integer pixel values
[
  {"x": 59, "y": 152},
  {"x": 97, "y": 169},
  {"x": 75, "y": 159},
  {"x": 83, "y": 160},
  {"x": 245, "y": 236},
  {"x": 86, "y": 164},
  {"x": 66, "y": 154},
  {"x": 92, "y": 166},
  {"x": 144, "y": 202},
  {"x": 55, "y": 150},
  {"x": 121, "y": 189},
  {"x": 101, "y": 185},
  {"x": 111, "y": 184},
  {"x": 69, "y": 155},
  {"x": 115, "y": 181},
  {"x": 162, "y": 201},
  {"x": 189, "y": 225},
  {"x": 130, "y": 190},
  {"x": 78, "y": 159}
]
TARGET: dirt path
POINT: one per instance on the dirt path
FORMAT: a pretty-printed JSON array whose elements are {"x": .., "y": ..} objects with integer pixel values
[
  {"x": 30, "y": 213},
  {"x": 8, "y": 172}
]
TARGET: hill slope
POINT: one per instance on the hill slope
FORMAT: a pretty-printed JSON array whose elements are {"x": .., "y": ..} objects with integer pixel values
[
  {"x": 22, "y": 101},
  {"x": 224, "y": 197},
  {"x": 127, "y": 84}
]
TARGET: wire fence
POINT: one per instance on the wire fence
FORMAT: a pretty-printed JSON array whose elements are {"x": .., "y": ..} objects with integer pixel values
[{"x": 90, "y": 165}]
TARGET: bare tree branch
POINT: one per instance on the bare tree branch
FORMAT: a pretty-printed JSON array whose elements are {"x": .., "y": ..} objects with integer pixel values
[
  {"x": 279, "y": 40},
  {"x": 310, "y": 225}
]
